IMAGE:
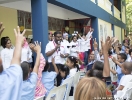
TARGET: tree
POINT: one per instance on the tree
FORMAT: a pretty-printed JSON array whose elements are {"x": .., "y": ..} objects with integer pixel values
[{"x": 128, "y": 15}]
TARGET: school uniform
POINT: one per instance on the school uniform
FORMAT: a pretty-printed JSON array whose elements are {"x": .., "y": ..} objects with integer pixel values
[
  {"x": 125, "y": 79},
  {"x": 28, "y": 87},
  {"x": 6, "y": 56},
  {"x": 48, "y": 80},
  {"x": 119, "y": 74},
  {"x": 11, "y": 83}
]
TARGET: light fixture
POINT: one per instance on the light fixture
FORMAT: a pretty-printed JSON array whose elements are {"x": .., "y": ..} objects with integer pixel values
[{"x": 66, "y": 28}]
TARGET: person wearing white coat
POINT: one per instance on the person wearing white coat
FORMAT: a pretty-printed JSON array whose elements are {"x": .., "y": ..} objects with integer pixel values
[
  {"x": 74, "y": 50},
  {"x": 6, "y": 53},
  {"x": 26, "y": 53}
]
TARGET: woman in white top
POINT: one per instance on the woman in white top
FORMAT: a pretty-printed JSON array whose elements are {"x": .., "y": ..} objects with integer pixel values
[
  {"x": 26, "y": 53},
  {"x": 65, "y": 40},
  {"x": 74, "y": 46},
  {"x": 6, "y": 53}
]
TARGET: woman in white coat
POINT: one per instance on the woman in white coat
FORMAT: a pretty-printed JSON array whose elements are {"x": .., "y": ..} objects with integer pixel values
[
  {"x": 6, "y": 53},
  {"x": 74, "y": 51},
  {"x": 26, "y": 53}
]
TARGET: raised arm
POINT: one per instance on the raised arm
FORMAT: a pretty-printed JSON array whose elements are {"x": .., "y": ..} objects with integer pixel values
[
  {"x": 55, "y": 67},
  {"x": 96, "y": 53},
  {"x": 36, "y": 48},
  {"x": 105, "y": 47},
  {"x": 116, "y": 62},
  {"x": 18, "y": 47}
]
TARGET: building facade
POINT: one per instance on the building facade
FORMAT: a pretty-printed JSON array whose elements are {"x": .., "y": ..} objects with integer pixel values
[{"x": 107, "y": 17}]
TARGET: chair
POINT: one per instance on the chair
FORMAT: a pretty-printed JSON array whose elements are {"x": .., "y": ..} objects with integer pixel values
[
  {"x": 77, "y": 77},
  {"x": 112, "y": 66},
  {"x": 58, "y": 93},
  {"x": 69, "y": 83},
  {"x": 40, "y": 98}
]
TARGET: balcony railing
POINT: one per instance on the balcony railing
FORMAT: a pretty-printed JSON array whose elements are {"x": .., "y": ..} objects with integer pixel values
[
  {"x": 106, "y": 5},
  {"x": 117, "y": 13}
]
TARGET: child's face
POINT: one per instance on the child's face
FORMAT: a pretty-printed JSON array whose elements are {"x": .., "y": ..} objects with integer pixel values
[
  {"x": 127, "y": 51},
  {"x": 63, "y": 74},
  {"x": 91, "y": 57},
  {"x": 75, "y": 39},
  {"x": 69, "y": 63},
  {"x": 120, "y": 59}
]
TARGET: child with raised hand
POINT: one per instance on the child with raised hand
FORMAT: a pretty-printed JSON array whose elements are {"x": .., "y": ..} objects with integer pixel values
[
  {"x": 121, "y": 59},
  {"x": 29, "y": 82},
  {"x": 48, "y": 78},
  {"x": 127, "y": 70},
  {"x": 11, "y": 78}
]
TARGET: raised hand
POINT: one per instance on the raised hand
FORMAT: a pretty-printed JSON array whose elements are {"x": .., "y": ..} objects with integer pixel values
[
  {"x": 114, "y": 59},
  {"x": 35, "y": 47},
  {"x": 1, "y": 29},
  {"x": 95, "y": 45},
  {"x": 53, "y": 60},
  {"x": 106, "y": 45},
  {"x": 19, "y": 37}
]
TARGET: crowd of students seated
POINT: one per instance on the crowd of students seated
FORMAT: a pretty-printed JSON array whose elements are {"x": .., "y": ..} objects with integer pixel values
[{"x": 22, "y": 80}]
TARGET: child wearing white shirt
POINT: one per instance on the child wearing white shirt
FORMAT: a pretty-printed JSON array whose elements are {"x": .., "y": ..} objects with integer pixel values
[{"x": 127, "y": 70}]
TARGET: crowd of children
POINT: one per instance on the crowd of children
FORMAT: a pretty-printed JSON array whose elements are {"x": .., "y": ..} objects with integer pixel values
[{"x": 20, "y": 80}]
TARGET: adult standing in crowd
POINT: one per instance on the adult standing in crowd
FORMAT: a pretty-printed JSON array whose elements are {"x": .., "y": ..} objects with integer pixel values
[{"x": 56, "y": 50}]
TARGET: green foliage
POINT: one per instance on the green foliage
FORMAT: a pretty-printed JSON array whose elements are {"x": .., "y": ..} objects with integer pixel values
[{"x": 128, "y": 15}]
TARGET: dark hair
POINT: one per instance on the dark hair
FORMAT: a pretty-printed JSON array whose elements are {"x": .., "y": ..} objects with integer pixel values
[
  {"x": 127, "y": 47},
  {"x": 109, "y": 52},
  {"x": 123, "y": 56},
  {"x": 95, "y": 73},
  {"x": 2, "y": 41},
  {"x": 57, "y": 32},
  {"x": 130, "y": 51},
  {"x": 98, "y": 65},
  {"x": 74, "y": 36},
  {"x": 26, "y": 69},
  {"x": 5, "y": 42},
  {"x": 75, "y": 61},
  {"x": 119, "y": 48},
  {"x": 46, "y": 66},
  {"x": 65, "y": 69}
]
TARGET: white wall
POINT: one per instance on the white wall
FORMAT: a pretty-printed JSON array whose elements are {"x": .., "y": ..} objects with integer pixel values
[
  {"x": 53, "y": 10},
  {"x": 118, "y": 33},
  {"x": 123, "y": 14},
  {"x": 104, "y": 30}
]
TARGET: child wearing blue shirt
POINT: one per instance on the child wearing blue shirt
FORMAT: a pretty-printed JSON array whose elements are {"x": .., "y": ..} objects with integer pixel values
[
  {"x": 29, "y": 82},
  {"x": 48, "y": 78},
  {"x": 121, "y": 59},
  {"x": 11, "y": 78}
]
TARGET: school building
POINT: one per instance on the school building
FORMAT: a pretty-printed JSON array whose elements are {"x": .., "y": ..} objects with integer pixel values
[{"x": 107, "y": 17}]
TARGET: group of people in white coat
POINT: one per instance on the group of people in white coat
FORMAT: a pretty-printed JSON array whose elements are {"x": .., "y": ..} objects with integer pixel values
[{"x": 60, "y": 48}]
